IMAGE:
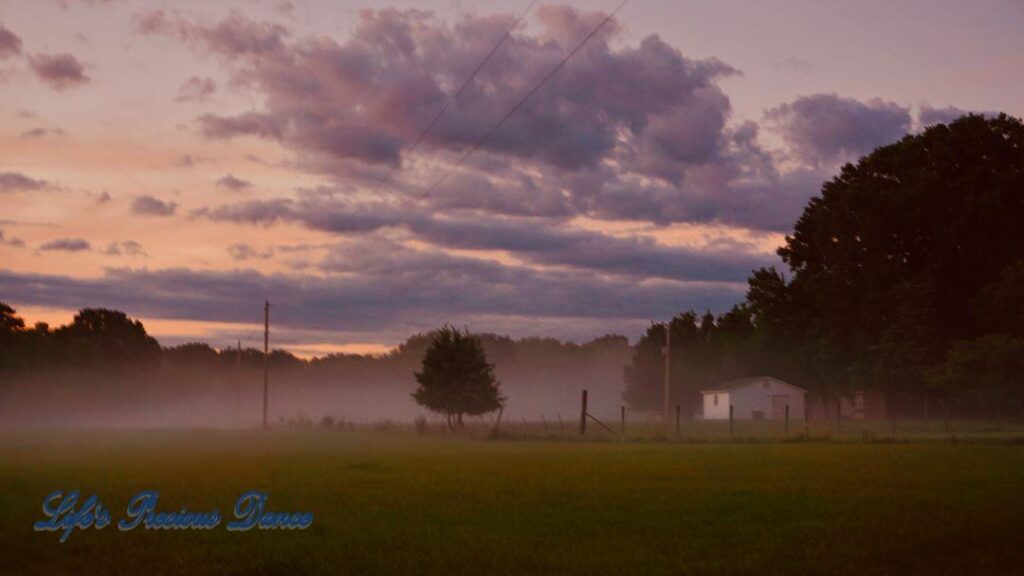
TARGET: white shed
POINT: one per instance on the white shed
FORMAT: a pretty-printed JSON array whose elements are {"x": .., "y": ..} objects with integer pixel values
[{"x": 758, "y": 398}]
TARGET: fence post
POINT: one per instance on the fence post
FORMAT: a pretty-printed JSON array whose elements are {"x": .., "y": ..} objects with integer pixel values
[
  {"x": 839, "y": 416},
  {"x": 583, "y": 415},
  {"x": 787, "y": 420},
  {"x": 679, "y": 430},
  {"x": 623, "y": 419},
  {"x": 730, "y": 419}
]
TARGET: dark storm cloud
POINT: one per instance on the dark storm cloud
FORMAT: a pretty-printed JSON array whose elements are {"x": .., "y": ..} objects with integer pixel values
[
  {"x": 436, "y": 287},
  {"x": 536, "y": 241},
  {"x": 18, "y": 182},
  {"x": 59, "y": 71},
  {"x": 823, "y": 129},
  {"x": 152, "y": 206},
  {"x": 10, "y": 43},
  {"x": 234, "y": 184},
  {"x": 196, "y": 89},
  {"x": 66, "y": 245}
]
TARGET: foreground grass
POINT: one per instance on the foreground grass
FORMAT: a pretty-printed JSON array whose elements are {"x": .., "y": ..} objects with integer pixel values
[{"x": 398, "y": 504}]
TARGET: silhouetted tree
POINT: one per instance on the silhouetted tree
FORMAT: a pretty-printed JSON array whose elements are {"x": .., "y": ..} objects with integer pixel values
[
  {"x": 192, "y": 355},
  {"x": 102, "y": 338},
  {"x": 456, "y": 378},
  {"x": 887, "y": 261},
  {"x": 12, "y": 329}
]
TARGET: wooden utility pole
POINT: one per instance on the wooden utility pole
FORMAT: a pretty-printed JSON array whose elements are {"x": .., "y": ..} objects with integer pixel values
[
  {"x": 668, "y": 365},
  {"x": 238, "y": 377},
  {"x": 266, "y": 357},
  {"x": 623, "y": 414}
]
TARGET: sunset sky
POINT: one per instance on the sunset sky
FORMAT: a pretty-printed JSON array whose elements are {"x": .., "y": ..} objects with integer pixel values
[{"x": 183, "y": 161}]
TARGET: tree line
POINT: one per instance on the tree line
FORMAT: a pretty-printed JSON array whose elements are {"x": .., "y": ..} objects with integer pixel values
[{"x": 109, "y": 346}]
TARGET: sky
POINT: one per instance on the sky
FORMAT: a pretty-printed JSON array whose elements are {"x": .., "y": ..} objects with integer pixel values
[{"x": 185, "y": 161}]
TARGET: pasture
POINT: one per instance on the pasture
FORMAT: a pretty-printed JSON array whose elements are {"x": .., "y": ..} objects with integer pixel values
[{"x": 392, "y": 502}]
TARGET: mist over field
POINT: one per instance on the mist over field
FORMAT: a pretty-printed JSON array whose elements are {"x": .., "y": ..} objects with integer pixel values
[{"x": 197, "y": 386}]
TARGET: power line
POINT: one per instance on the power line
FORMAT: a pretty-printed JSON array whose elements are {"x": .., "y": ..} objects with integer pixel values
[
  {"x": 522, "y": 101},
  {"x": 453, "y": 97}
]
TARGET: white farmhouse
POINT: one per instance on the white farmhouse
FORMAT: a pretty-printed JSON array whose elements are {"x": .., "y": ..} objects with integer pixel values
[{"x": 758, "y": 398}]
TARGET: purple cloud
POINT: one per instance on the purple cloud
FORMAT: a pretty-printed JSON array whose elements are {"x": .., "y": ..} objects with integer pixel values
[
  {"x": 247, "y": 252},
  {"x": 234, "y": 184},
  {"x": 18, "y": 182},
  {"x": 637, "y": 132},
  {"x": 196, "y": 89},
  {"x": 12, "y": 242},
  {"x": 41, "y": 132},
  {"x": 59, "y": 71},
  {"x": 823, "y": 129},
  {"x": 234, "y": 36},
  {"x": 488, "y": 294},
  {"x": 10, "y": 43},
  {"x": 537, "y": 242},
  {"x": 66, "y": 245},
  {"x": 127, "y": 248},
  {"x": 152, "y": 206}
]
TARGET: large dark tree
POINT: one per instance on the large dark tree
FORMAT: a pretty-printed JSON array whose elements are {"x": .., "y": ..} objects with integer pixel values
[
  {"x": 888, "y": 261},
  {"x": 456, "y": 378}
]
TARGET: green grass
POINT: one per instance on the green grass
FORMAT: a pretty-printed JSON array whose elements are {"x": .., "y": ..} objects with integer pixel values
[{"x": 389, "y": 503}]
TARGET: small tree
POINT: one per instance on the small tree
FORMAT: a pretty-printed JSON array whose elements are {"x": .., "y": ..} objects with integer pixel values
[{"x": 456, "y": 377}]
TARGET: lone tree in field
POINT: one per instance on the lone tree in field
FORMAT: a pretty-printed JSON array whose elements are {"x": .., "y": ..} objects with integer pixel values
[{"x": 456, "y": 377}]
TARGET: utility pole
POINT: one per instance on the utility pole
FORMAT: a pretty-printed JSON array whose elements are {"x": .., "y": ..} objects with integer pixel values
[
  {"x": 668, "y": 365},
  {"x": 238, "y": 377},
  {"x": 266, "y": 357}
]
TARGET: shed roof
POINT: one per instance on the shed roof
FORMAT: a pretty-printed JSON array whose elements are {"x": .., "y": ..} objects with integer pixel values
[{"x": 744, "y": 382}]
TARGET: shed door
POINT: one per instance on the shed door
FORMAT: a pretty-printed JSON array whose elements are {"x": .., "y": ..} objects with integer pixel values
[{"x": 779, "y": 402}]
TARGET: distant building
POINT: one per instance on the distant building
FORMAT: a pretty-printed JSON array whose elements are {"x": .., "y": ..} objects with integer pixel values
[{"x": 758, "y": 398}]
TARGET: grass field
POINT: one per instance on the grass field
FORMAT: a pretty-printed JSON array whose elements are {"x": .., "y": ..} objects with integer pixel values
[{"x": 391, "y": 503}]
